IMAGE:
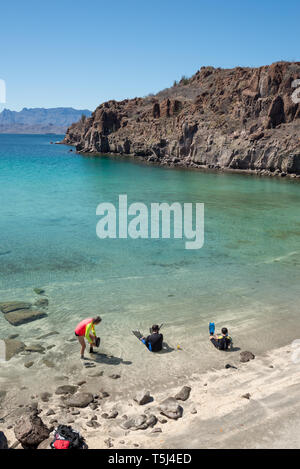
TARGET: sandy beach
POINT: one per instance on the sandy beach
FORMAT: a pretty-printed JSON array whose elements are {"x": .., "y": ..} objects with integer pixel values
[{"x": 255, "y": 405}]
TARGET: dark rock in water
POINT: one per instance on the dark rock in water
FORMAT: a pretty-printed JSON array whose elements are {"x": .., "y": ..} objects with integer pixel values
[
  {"x": 66, "y": 389},
  {"x": 170, "y": 408},
  {"x": 13, "y": 347},
  {"x": 11, "y": 306},
  {"x": 30, "y": 431},
  {"x": 42, "y": 302},
  {"x": 13, "y": 336},
  {"x": 22, "y": 316},
  {"x": 3, "y": 441},
  {"x": 50, "y": 347},
  {"x": 143, "y": 397},
  {"x": 80, "y": 383},
  {"x": 39, "y": 291},
  {"x": 183, "y": 394},
  {"x": 49, "y": 334},
  {"x": 246, "y": 356},
  {"x": 35, "y": 348},
  {"x": 45, "y": 396},
  {"x": 82, "y": 399},
  {"x": 28, "y": 364},
  {"x": 48, "y": 363}
]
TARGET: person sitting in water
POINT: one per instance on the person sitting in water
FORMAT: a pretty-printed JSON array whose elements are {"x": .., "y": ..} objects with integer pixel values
[
  {"x": 154, "y": 341},
  {"x": 86, "y": 330},
  {"x": 223, "y": 341}
]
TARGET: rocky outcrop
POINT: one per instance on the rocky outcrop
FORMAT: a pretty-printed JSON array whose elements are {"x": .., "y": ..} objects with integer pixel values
[
  {"x": 19, "y": 312},
  {"x": 30, "y": 431},
  {"x": 242, "y": 118}
]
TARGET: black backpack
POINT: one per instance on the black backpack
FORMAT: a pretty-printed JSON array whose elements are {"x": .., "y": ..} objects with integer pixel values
[{"x": 67, "y": 438}]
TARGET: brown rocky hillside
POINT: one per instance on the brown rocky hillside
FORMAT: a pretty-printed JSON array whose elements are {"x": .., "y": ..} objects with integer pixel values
[{"x": 241, "y": 118}]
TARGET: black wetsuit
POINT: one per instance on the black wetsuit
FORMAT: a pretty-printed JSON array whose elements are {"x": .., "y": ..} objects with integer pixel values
[
  {"x": 222, "y": 343},
  {"x": 154, "y": 342}
]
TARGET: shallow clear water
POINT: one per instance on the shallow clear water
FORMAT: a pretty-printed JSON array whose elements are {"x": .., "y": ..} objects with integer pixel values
[{"x": 246, "y": 276}]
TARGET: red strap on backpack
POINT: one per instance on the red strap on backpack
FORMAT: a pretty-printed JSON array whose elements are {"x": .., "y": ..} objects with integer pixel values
[{"x": 61, "y": 444}]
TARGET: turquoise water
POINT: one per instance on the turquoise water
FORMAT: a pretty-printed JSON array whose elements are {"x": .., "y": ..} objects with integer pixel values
[{"x": 246, "y": 276}]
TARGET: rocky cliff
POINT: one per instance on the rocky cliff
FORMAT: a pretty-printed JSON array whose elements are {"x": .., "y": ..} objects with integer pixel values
[{"x": 241, "y": 118}]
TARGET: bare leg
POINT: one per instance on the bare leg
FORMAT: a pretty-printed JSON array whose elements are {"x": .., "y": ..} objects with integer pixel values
[{"x": 82, "y": 343}]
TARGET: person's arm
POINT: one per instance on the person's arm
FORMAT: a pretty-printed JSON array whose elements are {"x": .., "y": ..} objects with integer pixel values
[{"x": 88, "y": 334}]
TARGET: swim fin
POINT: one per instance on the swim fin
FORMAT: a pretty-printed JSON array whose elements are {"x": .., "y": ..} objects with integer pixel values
[{"x": 211, "y": 328}]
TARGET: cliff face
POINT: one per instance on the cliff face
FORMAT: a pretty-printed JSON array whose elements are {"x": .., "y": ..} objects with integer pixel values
[{"x": 242, "y": 118}]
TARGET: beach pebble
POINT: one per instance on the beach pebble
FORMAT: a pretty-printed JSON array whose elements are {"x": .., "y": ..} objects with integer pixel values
[
  {"x": 81, "y": 399},
  {"x": 80, "y": 383},
  {"x": 113, "y": 414},
  {"x": 114, "y": 376},
  {"x": 50, "y": 412},
  {"x": 45, "y": 396},
  {"x": 103, "y": 395},
  {"x": 109, "y": 442},
  {"x": 161, "y": 419},
  {"x": 183, "y": 394},
  {"x": 170, "y": 408},
  {"x": 66, "y": 389},
  {"x": 246, "y": 396},
  {"x": 156, "y": 430},
  {"x": 194, "y": 411},
  {"x": 246, "y": 356},
  {"x": 28, "y": 364},
  {"x": 143, "y": 397}
]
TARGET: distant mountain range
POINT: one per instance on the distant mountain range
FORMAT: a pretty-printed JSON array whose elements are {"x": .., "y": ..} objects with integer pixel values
[{"x": 40, "y": 120}]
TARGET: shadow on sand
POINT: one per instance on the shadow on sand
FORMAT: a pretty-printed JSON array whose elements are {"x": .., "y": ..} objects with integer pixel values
[{"x": 107, "y": 359}]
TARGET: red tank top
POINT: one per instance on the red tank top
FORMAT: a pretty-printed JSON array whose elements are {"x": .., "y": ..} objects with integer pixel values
[{"x": 81, "y": 327}]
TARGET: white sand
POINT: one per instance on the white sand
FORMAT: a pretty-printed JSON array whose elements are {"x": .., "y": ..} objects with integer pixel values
[{"x": 224, "y": 419}]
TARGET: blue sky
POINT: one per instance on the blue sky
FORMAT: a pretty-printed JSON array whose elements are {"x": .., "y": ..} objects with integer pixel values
[{"x": 81, "y": 53}]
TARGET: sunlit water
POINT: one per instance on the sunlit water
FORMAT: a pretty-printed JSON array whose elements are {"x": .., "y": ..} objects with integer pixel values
[{"x": 245, "y": 277}]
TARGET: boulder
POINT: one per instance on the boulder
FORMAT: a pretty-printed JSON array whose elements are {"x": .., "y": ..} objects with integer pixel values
[
  {"x": 170, "y": 408},
  {"x": 35, "y": 348},
  {"x": 3, "y": 441},
  {"x": 82, "y": 399},
  {"x": 246, "y": 356},
  {"x": 41, "y": 302},
  {"x": 66, "y": 389},
  {"x": 183, "y": 394},
  {"x": 137, "y": 422},
  {"x": 39, "y": 291},
  {"x": 22, "y": 316},
  {"x": 30, "y": 431},
  {"x": 10, "y": 306},
  {"x": 46, "y": 443},
  {"x": 143, "y": 397},
  {"x": 13, "y": 347}
]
